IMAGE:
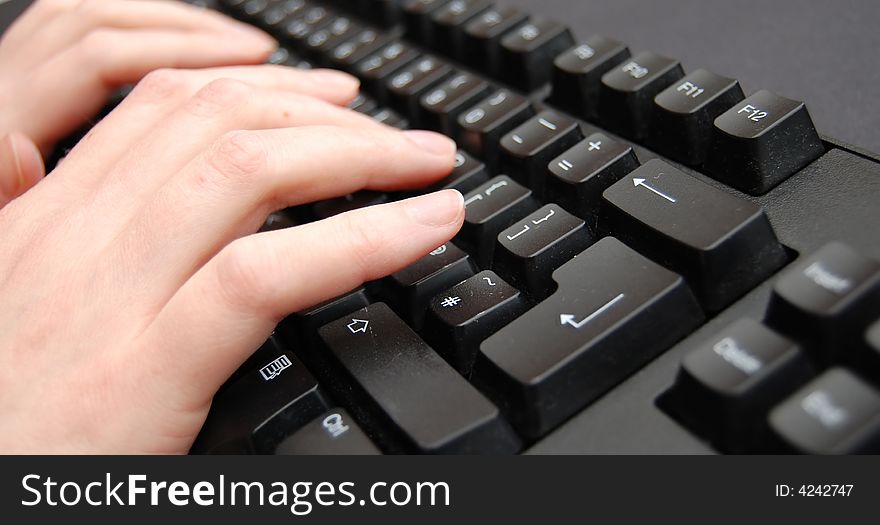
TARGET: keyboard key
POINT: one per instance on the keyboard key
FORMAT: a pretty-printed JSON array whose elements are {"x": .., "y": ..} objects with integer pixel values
[
  {"x": 626, "y": 97},
  {"x": 580, "y": 174},
  {"x": 303, "y": 24},
  {"x": 417, "y": 19},
  {"x": 332, "y": 433},
  {"x": 278, "y": 220},
  {"x": 467, "y": 174},
  {"x": 614, "y": 310},
  {"x": 481, "y": 42},
  {"x": 410, "y": 289},
  {"x": 413, "y": 390},
  {"x": 354, "y": 201},
  {"x": 441, "y": 106},
  {"x": 527, "y": 53},
  {"x": 448, "y": 24},
  {"x": 389, "y": 117},
  {"x": 363, "y": 104},
  {"x": 761, "y": 141},
  {"x": 827, "y": 300},
  {"x": 254, "y": 9},
  {"x": 386, "y": 13},
  {"x": 407, "y": 85},
  {"x": 275, "y": 18},
  {"x": 722, "y": 244},
  {"x": 726, "y": 387},
  {"x": 375, "y": 70},
  {"x": 837, "y": 413},
  {"x": 489, "y": 209},
  {"x": 262, "y": 407},
  {"x": 482, "y": 126},
  {"x": 348, "y": 54},
  {"x": 301, "y": 328},
  {"x": 577, "y": 74},
  {"x": 320, "y": 42},
  {"x": 530, "y": 250},
  {"x": 461, "y": 317},
  {"x": 684, "y": 112},
  {"x": 526, "y": 150}
]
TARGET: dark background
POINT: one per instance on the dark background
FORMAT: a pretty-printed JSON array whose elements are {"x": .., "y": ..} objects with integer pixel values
[{"x": 825, "y": 53}]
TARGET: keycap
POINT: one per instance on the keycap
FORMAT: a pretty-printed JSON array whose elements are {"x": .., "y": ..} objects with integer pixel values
[
  {"x": 489, "y": 209},
  {"x": 375, "y": 70},
  {"x": 277, "y": 15},
  {"x": 417, "y": 19},
  {"x": 304, "y": 23},
  {"x": 626, "y": 95},
  {"x": 482, "y": 126},
  {"x": 320, "y": 42},
  {"x": 409, "y": 290},
  {"x": 762, "y": 141},
  {"x": 723, "y": 245},
  {"x": 837, "y": 413},
  {"x": 348, "y": 54},
  {"x": 363, "y": 104},
  {"x": 448, "y": 24},
  {"x": 411, "y": 389},
  {"x": 407, "y": 85},
  {"x": 302, "y": 326},
  {"x": 383, "y": 12},
  {"x": 726, "y": 387},
  {"x": 681, "y": 125},
  {"x": 354, "y": 201},
  {"x": 467, "y": 174},
  {"x": 332, "y": 433},
  {"x": 254, "y": 9},
  {"x": 262, "y": 407},
  {"x": 826, "y": 300},
  {"x": 527, "y": 53},
  {"x": 441, "y": 106},
  {"x": 461, "y": 317},
  {"x": 389, "y": 117},
  {"x": 278, "y": 220},
  {"x": 872, "y": 337},
  {"x": 579, "y": 175},
  {"x": 577, "y": 74},
  {"x": 481, "y": 42},
  {"x": 529, "y": 251},
  {"x": 614, "y": 310},
  {"x": 526, "y": 150}
]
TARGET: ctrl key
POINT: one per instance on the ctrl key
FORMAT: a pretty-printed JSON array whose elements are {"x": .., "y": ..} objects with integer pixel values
[
  {"x": 837, "y": 413},
  {"x": 333, "y": 432}
]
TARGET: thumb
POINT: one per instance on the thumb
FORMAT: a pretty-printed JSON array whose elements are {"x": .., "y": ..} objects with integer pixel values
[{"x": 21, "y": 166}]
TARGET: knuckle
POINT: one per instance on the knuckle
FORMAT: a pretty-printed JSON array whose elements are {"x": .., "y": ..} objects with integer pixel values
[
  {"x": 96, "y": 45},
  {"x": 218, "y": 96},
  {"x": 243, "y": 271},
  {"x": 238, "y": 157},
  {"x": 159, "y": 84}
]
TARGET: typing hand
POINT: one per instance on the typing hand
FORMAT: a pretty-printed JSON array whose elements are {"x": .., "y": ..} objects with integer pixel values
[
  {"x": 62, "y": 58},
  {"x": 131, "y": 283}
]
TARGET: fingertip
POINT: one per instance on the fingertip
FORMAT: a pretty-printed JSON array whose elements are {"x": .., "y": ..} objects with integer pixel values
[
  {"x": 335, "y": 79},
  {"x": 432, "y": 142},
  {"x": 442, "y": 208}
]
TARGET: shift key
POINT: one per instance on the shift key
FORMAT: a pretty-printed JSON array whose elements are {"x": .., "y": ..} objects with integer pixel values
[{"x": 614, "y": 310}]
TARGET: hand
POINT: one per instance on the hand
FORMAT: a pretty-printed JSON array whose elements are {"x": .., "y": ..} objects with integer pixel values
[
  {"x": 61, "y": 59},
  {"x": 131, "y": 285}
]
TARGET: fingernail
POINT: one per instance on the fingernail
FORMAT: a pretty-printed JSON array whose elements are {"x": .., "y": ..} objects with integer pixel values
[
  {"x": 10, "y": 168},
  {"x": 335, "y": 78},
  {"x": 431, "y": 142},
  {"x": 436, "y": 209}
]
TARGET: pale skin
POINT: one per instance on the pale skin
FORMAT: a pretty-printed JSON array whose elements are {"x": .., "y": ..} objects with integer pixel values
[{"x": 132, "y": 283}]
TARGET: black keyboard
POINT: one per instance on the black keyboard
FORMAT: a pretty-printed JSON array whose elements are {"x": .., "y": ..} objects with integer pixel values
[{"x": 652, "y": 260}]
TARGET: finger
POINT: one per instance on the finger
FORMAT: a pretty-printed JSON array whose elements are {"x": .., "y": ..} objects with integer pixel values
[
  {"x": 221, "y": 107},
  {"x": 21, "y": 166},
  {"x": 164, "y": 91},
  {"x": 228, "y": 191},
  {"x": 74, "y": 85},
  {"x": 36, "y": 16},
  {"x": 233, "y": 303},
  {"x": 71, "y": 25}
]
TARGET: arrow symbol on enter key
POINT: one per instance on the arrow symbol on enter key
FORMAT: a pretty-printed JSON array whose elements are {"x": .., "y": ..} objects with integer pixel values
[
  {"x": 568, "y": 319},
  {"x": 641, "y": 182}
]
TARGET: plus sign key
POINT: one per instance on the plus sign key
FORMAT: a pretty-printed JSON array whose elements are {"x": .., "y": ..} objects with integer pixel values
[{"x": 580, "y": 174}]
